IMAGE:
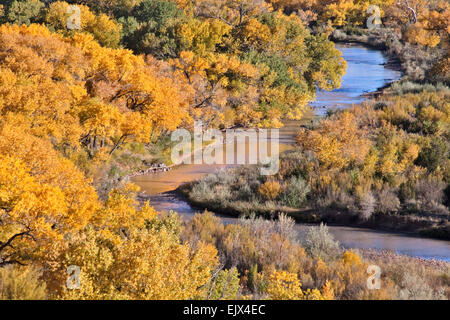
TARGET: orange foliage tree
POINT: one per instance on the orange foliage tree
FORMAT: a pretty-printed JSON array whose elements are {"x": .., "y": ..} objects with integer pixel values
[{"x": 79, "y": 94}]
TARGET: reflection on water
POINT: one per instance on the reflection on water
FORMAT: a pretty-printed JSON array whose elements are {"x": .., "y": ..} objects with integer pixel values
[
  {"x": 370, "y": 239},
  {"x": 365, "y": 73}
]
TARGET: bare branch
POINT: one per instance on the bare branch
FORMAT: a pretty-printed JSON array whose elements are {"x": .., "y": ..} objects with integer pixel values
[
  {"x": 412, "y": 10},
  {"x": 3, "y": 245}
]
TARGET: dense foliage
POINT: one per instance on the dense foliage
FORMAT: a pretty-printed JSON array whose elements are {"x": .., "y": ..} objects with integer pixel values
[
  {"x": 76, "y": 104},
  {"x": 247, "y": 67}
]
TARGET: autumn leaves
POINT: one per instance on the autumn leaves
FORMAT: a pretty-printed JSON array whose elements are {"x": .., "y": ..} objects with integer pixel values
[
  {"x": 80, "y": 94},
  {"x": 70, "y": 99}
]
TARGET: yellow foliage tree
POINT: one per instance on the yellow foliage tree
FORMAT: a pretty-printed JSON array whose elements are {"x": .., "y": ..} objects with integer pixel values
[
  {"x": 283, "y": 285},
  {"x": 337, "y": 143},
  {"x": 105, "y": 30},
  {"x": 77, "y": 93},
  {"x": 131, "y": 253},
  {"x": 43, "y": 196}
]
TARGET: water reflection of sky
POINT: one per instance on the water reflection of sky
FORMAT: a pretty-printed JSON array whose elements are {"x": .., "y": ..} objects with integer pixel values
[
  {"x": 365, "y": 73},
  {"x": 400, "y": 243}
]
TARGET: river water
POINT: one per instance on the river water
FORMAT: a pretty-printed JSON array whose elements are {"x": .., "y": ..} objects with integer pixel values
[{"x": 365, "y": 73}]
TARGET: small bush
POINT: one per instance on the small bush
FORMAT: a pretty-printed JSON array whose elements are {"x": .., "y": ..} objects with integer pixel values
[
  {"x": 319, "y": 243},
  {"x": 270, "y": 190},
  {"x": 434, "y": 154},
  {"x": 202, "y": 191},
  {"x": 414, "y": 287},
  {"x": 224, "y": 286},
  {"x": 367, "y": 206},
  {"x": 245, "y": 192},
  {"x": 388, "y": 202},
  {"x": 295, "y": 192},
  {"x": 404, "y": 87},
  {"x": 430, "y": 194}
]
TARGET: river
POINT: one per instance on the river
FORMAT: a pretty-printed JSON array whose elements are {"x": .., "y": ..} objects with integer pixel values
[{"x": 366, "y": 72}]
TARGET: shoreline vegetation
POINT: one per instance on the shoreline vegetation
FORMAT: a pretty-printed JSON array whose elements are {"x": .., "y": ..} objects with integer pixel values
[
  {"x": 82, "y": 107},
  {"x": 259, "y": 241},
  {"x": 438, "y": 228},
  {"x": 298, "y": 190},
  {"x": 408, "y": 225},
  {"x": 399, "y": 58}
]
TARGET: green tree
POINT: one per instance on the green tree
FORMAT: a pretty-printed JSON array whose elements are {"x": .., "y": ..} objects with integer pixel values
[
  {"x": 157, "y": 29},
  {"x": 434, "y": 154},
  {"x": 24, "y": 12},
  {"x": 225, "y": 286}
]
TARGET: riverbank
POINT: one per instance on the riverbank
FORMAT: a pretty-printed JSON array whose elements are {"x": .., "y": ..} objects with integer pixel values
[
  {"x": 386, "y": 256},
  {"x": 407, "y": 224},
  {"x": 349, "y": 94},
  {"x": 414, "y": 61},
  {"x": 317, "y": 255},
  {"x": 364, "y": 180}
]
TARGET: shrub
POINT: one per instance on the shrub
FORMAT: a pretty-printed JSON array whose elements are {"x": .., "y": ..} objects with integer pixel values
[
  {"x": 283, "y": 285},
  {"x": 265, "y": 243},
  {"x": 245, "y": 192},
  {"x": 225, "y": 285},
  {"x": 203, "y": 227},
  {"x": 204, "y": 191},
  {"x": 334, "y": 197},
  {"x": 388, "y": 202},
  {"x": 367, "y": 206},
  {"x": 285, "y": 227},
  {"x": 253, "y": 241},
  {"x": 433, "y": 155},
  {"x": 295, "y": 192},
  {"x": 429, "y": 193},
  {"x": 350, "y": 257},
  {"x": 404, "y": 87},
  {"x": 319, "y": 243},
  {"x": 414, "y": 287},
  {"x": 270, "y": 190}
]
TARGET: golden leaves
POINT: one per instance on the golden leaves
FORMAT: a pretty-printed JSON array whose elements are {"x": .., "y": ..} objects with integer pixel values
[
  {"x": 417, "y": 34},
  {"x": 105, "y": 30},
  {"x": 270, "y": 190},
  {"x": 76, "y": 92},
  {"x": 284, "y": 286},
  {"x": 202, "y": 36},
  {"x": 143, "y": 264},
  {"x": 337, "y": 143}
]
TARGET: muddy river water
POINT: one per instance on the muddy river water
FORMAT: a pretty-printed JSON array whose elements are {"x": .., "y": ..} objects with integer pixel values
[{"x": 366, "y": 72}]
